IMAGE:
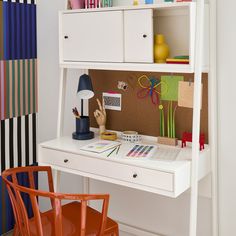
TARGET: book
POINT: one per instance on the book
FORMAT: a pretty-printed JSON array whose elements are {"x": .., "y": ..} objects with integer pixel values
[
  {"x": 100, "y": 146},
  {"x": 177, "y": 61}
]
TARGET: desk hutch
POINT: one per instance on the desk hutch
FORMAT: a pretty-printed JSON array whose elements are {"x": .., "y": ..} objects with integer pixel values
[{"x": 109, "y": 41}]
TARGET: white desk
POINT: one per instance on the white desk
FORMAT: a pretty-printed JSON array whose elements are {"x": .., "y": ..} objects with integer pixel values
[{"x": 166, "y": 177}]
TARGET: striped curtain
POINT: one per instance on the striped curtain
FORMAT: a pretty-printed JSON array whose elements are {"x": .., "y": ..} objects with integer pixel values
[{"x": 18, "y": 95}]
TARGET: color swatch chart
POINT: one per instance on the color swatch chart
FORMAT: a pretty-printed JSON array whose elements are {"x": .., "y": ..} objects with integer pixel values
[{"x": 139, "y": 151}]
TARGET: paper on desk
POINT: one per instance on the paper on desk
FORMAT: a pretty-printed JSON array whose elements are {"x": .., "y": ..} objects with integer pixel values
[{"x": 100, "y": 146}]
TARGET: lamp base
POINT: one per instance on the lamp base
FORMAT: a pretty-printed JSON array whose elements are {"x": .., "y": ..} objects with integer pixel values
[{"x": 83, "y": 136}]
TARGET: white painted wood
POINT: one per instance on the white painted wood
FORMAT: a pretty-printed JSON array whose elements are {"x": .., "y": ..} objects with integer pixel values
[
  {"x": 168, "y": 178},
  {"x": 85, "y": 185},
  {"x": 213, "y": 122},
  {"x": 96, "y": 36},
  {"x": 196, "y": 116},
  {"x": 184, "y": 173},
  {"x": 152, "y": 67},
  {"x": 138, "y": 35},
  {"x": 192, "y": 25},
  {"x": 131, "y": 7},
  {"x": 56, "y": 180},
  {"x": 61, "y": 101},
  {"x": 174, "y": 24}
]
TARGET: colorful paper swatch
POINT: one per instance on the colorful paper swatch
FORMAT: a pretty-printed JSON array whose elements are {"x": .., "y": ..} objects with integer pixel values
[
  {"x": 141, "y": 151},
  {"x": 172, "y": 83}
]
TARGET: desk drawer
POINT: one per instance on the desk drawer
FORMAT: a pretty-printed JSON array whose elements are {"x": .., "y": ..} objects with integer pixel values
[{"x": 109, "y": 169}]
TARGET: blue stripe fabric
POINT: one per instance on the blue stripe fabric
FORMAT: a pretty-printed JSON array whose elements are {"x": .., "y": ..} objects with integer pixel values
[
  {"x": 10, "y": 216},
  {"x": 19, "y": 20}
]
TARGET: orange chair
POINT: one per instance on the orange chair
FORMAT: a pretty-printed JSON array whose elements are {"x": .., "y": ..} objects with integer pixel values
[{"x": 72, "y": 219}]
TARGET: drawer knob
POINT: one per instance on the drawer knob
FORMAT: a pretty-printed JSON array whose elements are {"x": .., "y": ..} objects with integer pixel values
[
  {"x": 66, "y": 160},
  {"x": 66, "y": 37},
  {"x": 135, "y": 176},
  {"x": 144, "y": 36}
]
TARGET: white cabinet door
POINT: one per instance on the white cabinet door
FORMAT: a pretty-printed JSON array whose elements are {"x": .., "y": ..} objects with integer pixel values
[
  {"x": 138, "y": 29},
  {"x": 94, "y": 36}
]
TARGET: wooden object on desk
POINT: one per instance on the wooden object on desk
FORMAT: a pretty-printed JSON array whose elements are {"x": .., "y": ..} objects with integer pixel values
[
  {"x": 168, "y": 141},
  {"x": 109, "y": 136},
  {"x": 100, "y": 116},
  {"x": 74, "y": 216},
  {"x": 140, "y": 114}
]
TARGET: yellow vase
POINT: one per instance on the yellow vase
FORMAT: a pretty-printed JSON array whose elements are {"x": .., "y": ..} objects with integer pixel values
[{"x": 161, "y": 49}]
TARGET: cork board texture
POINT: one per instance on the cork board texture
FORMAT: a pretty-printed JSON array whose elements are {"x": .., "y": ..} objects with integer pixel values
[{"x": 142, "y": 115}]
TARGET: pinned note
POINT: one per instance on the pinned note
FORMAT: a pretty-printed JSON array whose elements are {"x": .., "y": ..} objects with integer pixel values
[
  {"x": 185, "y": 94},
  {"x": 169, "y": 87}
]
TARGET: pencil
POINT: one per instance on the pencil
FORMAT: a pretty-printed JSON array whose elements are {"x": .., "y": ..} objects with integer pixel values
[
  {"x": 118, "y": 149},
  {"x": 112, "y": 151}
]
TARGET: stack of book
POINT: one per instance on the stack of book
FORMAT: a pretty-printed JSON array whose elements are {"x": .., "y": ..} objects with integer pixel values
[{"x": 178, "y": 60}]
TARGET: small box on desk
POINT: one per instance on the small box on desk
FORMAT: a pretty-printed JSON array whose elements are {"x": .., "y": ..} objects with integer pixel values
[{"x": 82, "y": 129}]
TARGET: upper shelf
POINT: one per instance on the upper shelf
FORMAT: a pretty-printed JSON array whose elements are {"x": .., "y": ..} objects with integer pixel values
[
  {"x": 122, "y": 37},
  {"x": 146, "y": 67},
  {"x": 167, "y": 5}
]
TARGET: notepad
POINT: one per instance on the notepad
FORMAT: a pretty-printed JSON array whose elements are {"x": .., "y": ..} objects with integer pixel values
[{"x": 100, "y": 146}]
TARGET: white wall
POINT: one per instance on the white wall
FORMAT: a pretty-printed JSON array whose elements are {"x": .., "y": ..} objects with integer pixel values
[
  {"x": 148, "y": 211},
  {"x": 226, "y": 50}
]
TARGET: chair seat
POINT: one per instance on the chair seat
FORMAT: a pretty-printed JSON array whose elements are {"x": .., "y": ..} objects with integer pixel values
[{"x": 71, "y": 213}]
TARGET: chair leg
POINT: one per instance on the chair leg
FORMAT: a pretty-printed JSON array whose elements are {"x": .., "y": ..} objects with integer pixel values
[
  {"x": 116, "y": 233},
  {"x": 16, "y": 232}
]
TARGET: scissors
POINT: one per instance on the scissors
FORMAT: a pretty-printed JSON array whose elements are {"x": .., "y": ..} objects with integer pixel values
[{"x": 149, "y": 88}]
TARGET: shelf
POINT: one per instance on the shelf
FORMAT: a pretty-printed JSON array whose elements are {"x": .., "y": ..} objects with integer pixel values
[
  {"x": 145, "y": 6},
  {"x": 175, "y": 173},
  {"x": 172, "y": 68}
]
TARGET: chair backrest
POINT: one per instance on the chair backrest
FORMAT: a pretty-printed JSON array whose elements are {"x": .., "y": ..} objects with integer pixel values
[{"x": 16, "y": 192}]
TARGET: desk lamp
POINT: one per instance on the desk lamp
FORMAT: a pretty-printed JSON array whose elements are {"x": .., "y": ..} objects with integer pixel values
[{"x": 84, "y": 91}]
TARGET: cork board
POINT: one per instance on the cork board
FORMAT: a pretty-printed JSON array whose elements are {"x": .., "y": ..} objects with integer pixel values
[{"x": 140, "y": 114}]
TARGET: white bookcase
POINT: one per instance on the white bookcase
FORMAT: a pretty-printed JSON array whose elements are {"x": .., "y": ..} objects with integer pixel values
[{"x": 108, "y": 39}]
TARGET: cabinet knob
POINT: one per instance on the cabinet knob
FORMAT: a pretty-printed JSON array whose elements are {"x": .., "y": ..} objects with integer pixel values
[
  {"x": 144, "y": 36},
  {"x": 66, "y": 37},
  {"x": 66, "y": 160},
  {"x": 135, "y": 176}
]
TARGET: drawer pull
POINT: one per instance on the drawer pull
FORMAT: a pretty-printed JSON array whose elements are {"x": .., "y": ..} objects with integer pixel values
[
  {"x": 144, "y": 36},
  {"x": 66, "y": 37},
  {"x": 66, "y": 160},
  {"x": 135, "y": 176}
]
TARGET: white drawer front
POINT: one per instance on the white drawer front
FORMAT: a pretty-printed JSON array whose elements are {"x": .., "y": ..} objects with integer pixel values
[
  {"x": 96, "y": 36},
  {"x": 110, "y": 169}
]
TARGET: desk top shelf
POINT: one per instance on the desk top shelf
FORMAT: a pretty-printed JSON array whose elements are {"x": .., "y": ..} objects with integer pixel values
[
  {"x": 145, "y": 67},
  {"x": 166, "y": 173},
  {"x": 163, "y": 5}
]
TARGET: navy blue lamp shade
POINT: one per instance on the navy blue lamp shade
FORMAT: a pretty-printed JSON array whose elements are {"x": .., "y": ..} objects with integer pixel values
[
  {"x": 85, "y": 87},
  {"x": 84, "y": 91}
]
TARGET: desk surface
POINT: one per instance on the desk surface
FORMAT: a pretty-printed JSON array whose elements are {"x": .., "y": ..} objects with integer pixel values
[{"x": 99, "y": 166}]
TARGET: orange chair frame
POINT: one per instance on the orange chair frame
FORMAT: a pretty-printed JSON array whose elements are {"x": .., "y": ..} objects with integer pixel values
[{"x": 19, "y": 210}]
